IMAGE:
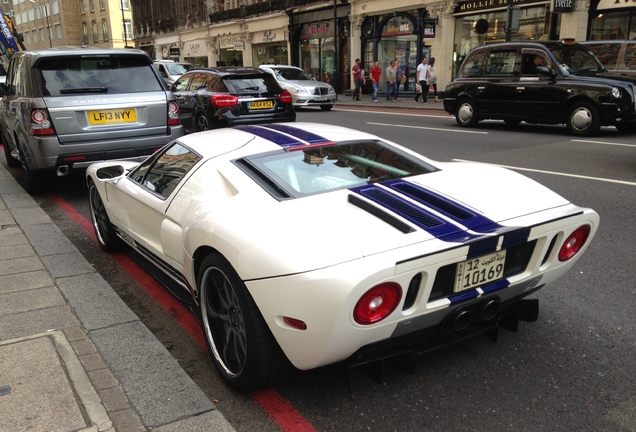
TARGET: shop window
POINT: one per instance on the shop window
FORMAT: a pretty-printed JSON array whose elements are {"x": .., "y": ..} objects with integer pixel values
[
  {"x": 501, "y": 62},
  {"x": 610, "y": 26}
]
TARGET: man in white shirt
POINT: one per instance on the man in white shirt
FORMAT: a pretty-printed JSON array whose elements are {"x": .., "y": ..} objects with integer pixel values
[{"x": 420, "y": 77}]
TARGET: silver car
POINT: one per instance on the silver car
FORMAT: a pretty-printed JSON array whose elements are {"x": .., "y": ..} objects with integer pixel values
[
  {"x": 65, "y": 108},
  {"x": 305, "y": 90}
]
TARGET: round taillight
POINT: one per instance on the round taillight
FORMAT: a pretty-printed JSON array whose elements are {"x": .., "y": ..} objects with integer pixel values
[
  {"x": 223, "y": 101},
  {"x": 377, "y": 303},
  {"x": 574, "y": 243},
  {"x": 173, "y": 108},
  {"x": 38, "y": 116},
  {"x": 285, "y": 97}
]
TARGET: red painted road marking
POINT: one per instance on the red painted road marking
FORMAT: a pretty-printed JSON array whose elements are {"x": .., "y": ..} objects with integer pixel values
[{"x": 270, "y": 401}]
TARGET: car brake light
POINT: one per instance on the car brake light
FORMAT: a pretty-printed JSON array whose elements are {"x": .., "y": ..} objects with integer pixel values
[
  {"x": 40, "y": 123},
  {"x": 173, "y": 114},
  {"x": 377, "y": 303},
  {"x": 223, "y": 101},
  {"x": 574, "y": 243},
  {"x": 285, "y": 97},
  {"x": 295, "y": 323}
]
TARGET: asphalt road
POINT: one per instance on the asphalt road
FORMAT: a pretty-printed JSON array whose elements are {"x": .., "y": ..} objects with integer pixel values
[{"x": 574, "y": 369}]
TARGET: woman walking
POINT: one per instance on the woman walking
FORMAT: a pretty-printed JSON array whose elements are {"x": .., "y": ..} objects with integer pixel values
[{"x": 432, "y": 77}]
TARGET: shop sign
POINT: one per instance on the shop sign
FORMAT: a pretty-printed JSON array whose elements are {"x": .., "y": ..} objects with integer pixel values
[
  {"x": 229, "y": 41},
  {"x": 195, "y": 48},
  {"x": 429, "y": 29},
  {"x": 174, "y": 51},
  {"x": 479, "y": 5},
  {"x": 316, "y": 31},
  {"x": 267, "y": 36},
  {"x": 562, "y": 6},
  {"x": 611, "y": 4},
  {"x": 239, "y": 45},
  {"x": 397, "y": 26}
]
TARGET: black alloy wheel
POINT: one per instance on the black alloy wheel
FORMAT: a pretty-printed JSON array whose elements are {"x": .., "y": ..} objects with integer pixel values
[
  {"x": 242, "y": 347},
  {"x": 203, "y": 123},
  {"x": 104, "y": 229}
]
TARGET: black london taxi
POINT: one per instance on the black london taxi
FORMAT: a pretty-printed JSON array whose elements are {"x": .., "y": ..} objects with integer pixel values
[{"x": 550, "y": 82}]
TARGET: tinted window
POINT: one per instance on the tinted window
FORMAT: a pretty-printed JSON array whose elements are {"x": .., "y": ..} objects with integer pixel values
[
  {"x": 606, "y": 53},
  {"x": 576, "y": 59},
  {"x": 501, "y": 62},
  {"x": 97, "y": 74},
  {"x": 472, "y": 65},
  {"x": 630, "y": 55},
  {"x": 182, "y": 83},
  {"x": 251, "y": 83},
  {"x": 162, "y": 174},
  {"x": 311, "y": 171}
]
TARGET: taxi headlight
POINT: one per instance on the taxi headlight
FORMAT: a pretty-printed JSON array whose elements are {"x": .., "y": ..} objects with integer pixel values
[{"x": 616, "y": 92}]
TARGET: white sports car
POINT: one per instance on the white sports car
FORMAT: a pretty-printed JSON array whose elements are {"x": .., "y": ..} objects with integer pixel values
[{"x": 313, "y": 244}]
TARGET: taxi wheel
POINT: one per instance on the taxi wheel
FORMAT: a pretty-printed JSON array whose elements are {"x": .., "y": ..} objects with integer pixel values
[
  {"x": 583, "y": 119},
  {"x": 203, "y": 123},
  {"x": 465, "y": 114},
  {"x": 104, "y": 230},
  {"x": 242, "y": 347}
]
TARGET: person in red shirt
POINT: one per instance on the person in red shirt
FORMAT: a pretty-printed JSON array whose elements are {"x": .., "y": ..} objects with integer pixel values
[
  {"x": 375, "y": 74},
  {"x": 357, "y": 79}
]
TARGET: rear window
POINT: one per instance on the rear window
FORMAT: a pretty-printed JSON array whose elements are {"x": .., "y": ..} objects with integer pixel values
[
  {"x": 251, "y": 83},
  {"x": 97, "y": 75},
  {"x": 303, "y": 172}
]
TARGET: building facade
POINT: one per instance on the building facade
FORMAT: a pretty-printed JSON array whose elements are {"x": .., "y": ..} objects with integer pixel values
[{"x": 44, "y": 24}]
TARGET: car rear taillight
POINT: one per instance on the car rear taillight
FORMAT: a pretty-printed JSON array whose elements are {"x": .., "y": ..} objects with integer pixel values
[
  {"x": 574, "y": 243},
  {"x": 223, "y": 101},
  {"x": 285, "y": 97},
  {"x": 377, "y": 303},
  {"x": 40, "y": 123},
  {"x": 173, "y": 114}
]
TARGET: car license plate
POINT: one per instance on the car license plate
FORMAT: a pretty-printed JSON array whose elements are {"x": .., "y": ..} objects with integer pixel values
[
  {"x": 480, "y": 270},
  {"x": 320, "y": 99},
  {"x": 261, "y": 105},
  {"x": 104, "y": 117}
]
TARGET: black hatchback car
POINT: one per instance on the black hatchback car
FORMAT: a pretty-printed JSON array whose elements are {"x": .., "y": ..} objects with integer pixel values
[
  {"x": 550, "y": 82},
  {"x": 211, "y": 98}
]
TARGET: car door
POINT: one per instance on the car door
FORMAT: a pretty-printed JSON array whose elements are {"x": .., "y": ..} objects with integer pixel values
[
  {"x": 538, "y": 97},
  {"x": 496, "y": 92},
  {"x": 185, "y": 99},
  {"x": 140, "y": 200}
]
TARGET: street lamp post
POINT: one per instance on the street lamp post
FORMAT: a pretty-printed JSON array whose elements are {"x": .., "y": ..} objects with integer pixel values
[
  {"x": 123, "y": 23},
  {"x": 48, "y": 23}
]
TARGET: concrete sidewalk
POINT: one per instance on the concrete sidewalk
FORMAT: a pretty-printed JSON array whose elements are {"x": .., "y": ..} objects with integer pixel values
[
  {"x": 73, "y": 356},
  {"x": 407, "y": 101}
]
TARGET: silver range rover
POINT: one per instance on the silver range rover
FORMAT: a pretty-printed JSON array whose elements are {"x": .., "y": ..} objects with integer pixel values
[{"x": 65, "y": 108}]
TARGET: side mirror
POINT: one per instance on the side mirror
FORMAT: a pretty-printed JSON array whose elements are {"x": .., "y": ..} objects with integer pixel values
[
  {"x": 546, "y": 71},
  {"x": 110, "y": 172}
]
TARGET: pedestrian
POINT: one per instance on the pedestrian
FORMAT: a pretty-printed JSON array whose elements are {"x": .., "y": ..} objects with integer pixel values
[
  {"x": 432, "y": 77},
  {"x": 356, "y": 71},
  {"x": 390, "y": 81},
  {"x": 364, "y": 80},
  {"x": 420, "y": 77},
  {"x": 399, "y": 74},
  {"x": 375, "y": 74}
]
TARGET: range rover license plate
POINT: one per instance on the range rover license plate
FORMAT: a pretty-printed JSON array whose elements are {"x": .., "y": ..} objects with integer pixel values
[
  {"x": 261, "y": 105},
  {"x": 480, "y": 270},
  {"x": 105, "y": 117}
]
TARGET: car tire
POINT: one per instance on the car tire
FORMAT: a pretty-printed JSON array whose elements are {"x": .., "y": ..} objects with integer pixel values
[
  {"x": 104, "y": 229},
  {"x": 203, "y": 123},
  {"x": 11, "y": 161},
  {"x": 465, "y": 113},
  {"x": 583, "y": 119},
  {"x": 242, "y": 347},
  {"x": 326, "y": 107},
  {"x": 35, "y": 182},
  {"x": 512, "y": 122}
]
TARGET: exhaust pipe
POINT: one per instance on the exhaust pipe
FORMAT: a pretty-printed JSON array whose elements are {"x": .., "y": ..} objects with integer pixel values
[
  {"x": 62, "y": 170},
  {"x": 461, "y": 319},
  {"x": 490, "y": 310}
]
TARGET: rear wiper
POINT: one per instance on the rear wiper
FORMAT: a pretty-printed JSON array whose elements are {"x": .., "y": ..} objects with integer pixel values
[{"x": 85, "y": 90}]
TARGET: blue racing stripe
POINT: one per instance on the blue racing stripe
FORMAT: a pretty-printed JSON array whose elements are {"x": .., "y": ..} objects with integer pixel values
[
  {"x": 282, "y": 139},
  {"x": 301, "y": 134}
]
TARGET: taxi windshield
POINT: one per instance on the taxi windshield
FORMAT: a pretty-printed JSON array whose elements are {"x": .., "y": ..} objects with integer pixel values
[{"x": 577, "y": 60}]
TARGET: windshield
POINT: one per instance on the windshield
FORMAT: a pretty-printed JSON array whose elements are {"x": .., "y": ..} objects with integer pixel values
[
  {"x": 289, "y": 74},
  {"x": 346, "y": 165},
  {"x": 178, "y": 68},
  {"x": 577, "y": 60}
]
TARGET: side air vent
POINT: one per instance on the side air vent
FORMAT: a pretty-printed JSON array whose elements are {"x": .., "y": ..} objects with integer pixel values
[
  {"x": 429, "y": 198},
  {"x": 413, "y": 290}
]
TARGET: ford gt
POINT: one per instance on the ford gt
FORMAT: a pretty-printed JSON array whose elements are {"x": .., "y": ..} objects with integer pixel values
[{"x": 303, "y": 245}]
